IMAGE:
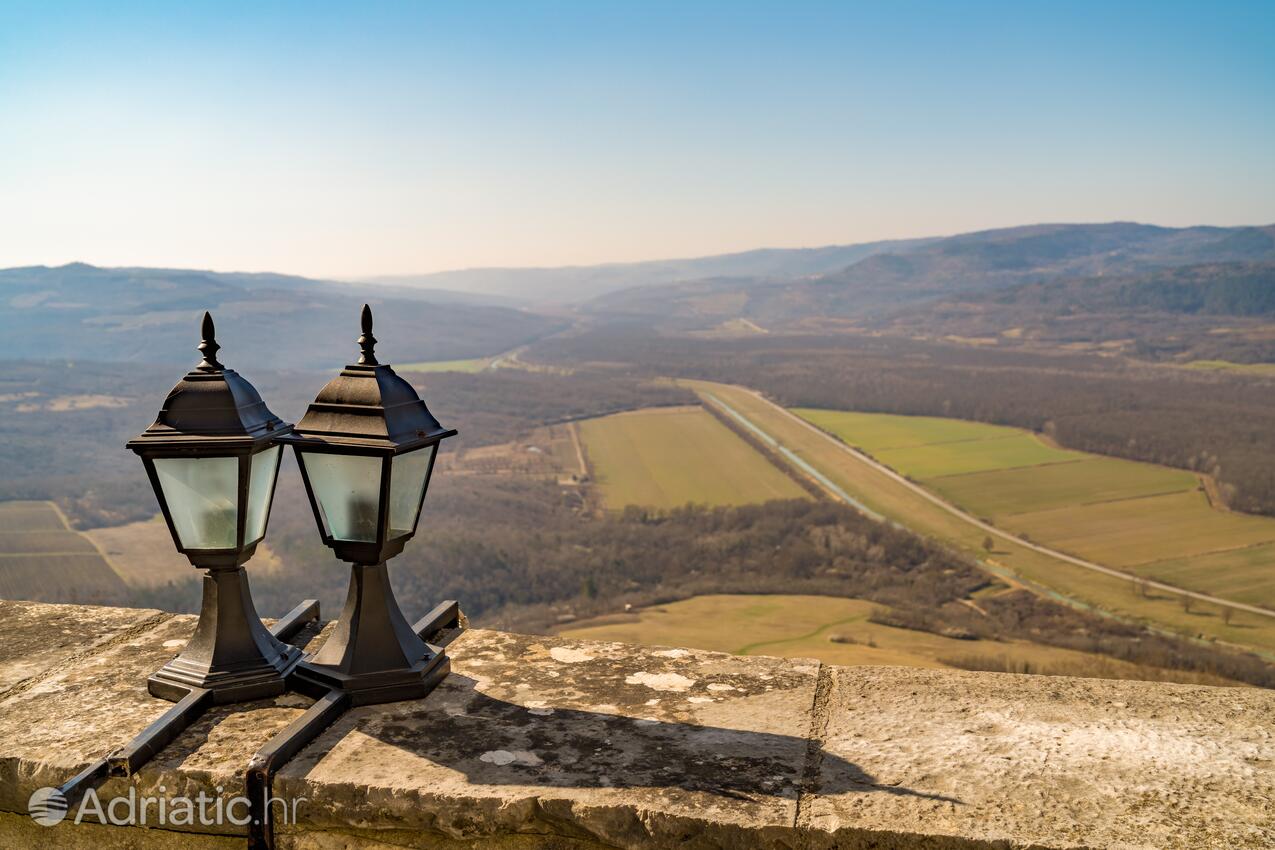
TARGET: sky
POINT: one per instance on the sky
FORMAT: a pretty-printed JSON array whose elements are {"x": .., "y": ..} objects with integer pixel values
[{"x": 358, "y": 139}]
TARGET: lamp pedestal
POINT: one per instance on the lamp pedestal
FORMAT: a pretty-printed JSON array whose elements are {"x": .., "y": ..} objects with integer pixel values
[
  {"x": 373, "y": 653},
  {"x": 231, "y": 654}
]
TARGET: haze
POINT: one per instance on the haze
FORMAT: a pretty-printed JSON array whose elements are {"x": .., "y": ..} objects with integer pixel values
[{"x": 333, "y": 141}]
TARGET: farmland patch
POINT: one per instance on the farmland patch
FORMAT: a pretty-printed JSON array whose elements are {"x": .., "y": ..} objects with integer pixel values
[{"x": 669, "y": 457}]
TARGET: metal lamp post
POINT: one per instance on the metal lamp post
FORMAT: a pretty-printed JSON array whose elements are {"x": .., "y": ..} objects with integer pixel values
[
  {"x": 366, "y": 448},
  {"x": 212, "y": 456}
]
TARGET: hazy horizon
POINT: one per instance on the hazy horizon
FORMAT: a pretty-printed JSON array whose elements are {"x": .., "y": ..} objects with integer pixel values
[
  {"x": 390, "y": 276},
  {"x": 409, "y": 139}
]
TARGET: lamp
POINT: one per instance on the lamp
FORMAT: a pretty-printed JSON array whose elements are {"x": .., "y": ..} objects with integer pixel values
[
  {"x": 212, "y": 457},
  {"x": 366, "y": 448}
]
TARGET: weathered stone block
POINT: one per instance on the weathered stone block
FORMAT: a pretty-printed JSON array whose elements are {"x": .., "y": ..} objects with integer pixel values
[
  {"x": 36, "y": 637},
  {"x": 538, "y": 743},
  {"x": 1049, "y": 761}
]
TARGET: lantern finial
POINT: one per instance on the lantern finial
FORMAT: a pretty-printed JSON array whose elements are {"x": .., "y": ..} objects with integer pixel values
[
  {"x": 208, "y": 346},
  {"x": 367, "y": 342}
]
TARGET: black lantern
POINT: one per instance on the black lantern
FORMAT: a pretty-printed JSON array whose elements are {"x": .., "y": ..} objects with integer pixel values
[
  {"x": 366, "y": 448},
  {"x": 212, "y": 456}
]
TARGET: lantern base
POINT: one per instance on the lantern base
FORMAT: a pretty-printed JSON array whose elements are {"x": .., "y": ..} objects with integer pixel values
[
  {"x": 191, "y": 704},
  {"x": 373, "y": 688},
  {"x": 232, "y": 654},
  {"x": 373, "y": 654},
  {"x": 330, "y": 704},
  {"x": 174, "y": 681}
]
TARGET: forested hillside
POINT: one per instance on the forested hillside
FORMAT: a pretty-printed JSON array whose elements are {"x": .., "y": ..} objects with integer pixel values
[
  {"x": 1199, "y": 312},
  {"x": 1215, "y": 289},
  {"x": 920, "y": 272},
  {"x": 81, "y": 312}
]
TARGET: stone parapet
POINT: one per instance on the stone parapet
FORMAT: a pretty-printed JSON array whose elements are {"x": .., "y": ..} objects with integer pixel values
[{"x": 539, "y": 742}]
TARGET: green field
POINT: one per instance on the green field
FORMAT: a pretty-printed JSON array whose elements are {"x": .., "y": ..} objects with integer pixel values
[
  {"x": 1244, "y": 575},
  {"x": 873, "y": 432},
  {"x": 883, "y": 494},
  {"x": 833, "y": 629},
  {"x": 475, "y": 365},
  {"x": 966, "y": 456},
  {"x": 668, "y": 457},
  {"x": 43, "y": 559},
  {"x": 1134, "y": 531},
  {"x": 1150, "y": 520},
  {"x": 44, "y": 543},
  {"x": 924, "y": 447},
  {"x": 29, "y": 516},
  {"x": 1057, "y": 485},
  {"x": 1228, "y": 366}
]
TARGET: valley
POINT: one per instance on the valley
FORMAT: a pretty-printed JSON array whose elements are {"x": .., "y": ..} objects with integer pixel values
[
  {"x": 899, "y": 500},
  {"x": 928, "y": 452},
  {"x": 629, "y": 426},
  {"x": 1126, "y": 515},
  {"x": 658, "y": 459},
  {"x": 1147, "y": 520}
]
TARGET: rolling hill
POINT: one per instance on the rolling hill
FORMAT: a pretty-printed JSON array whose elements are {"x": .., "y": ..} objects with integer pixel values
[
  {"x": 910, "y": 273},
  {"x": 1223, "y": 311},
  {"x": 1215, "y": 289},
  {"x": 82, "y": 312},
  {"x": 572, "y": 284}
]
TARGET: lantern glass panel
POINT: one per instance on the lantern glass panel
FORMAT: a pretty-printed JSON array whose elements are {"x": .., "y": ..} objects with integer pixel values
[
  {"x": 348, "y": 490},
  {"x": 407, "y": 486},
  {"x": 202, "y": 495},
  {"x": 260, "y": 492}
]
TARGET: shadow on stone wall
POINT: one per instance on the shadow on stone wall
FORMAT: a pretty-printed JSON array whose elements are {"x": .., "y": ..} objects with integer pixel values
[{"x": 494, "y": 742}]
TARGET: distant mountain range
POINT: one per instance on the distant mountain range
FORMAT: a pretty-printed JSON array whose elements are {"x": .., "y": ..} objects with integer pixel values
[
  {"x": 573, "y": 284},
  {"x": 82, "y": 312},
  {"x": 885, "y": 277}
]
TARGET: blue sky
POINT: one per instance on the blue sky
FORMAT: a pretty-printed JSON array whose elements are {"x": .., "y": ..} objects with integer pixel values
[{"x": 376, "y": 138}]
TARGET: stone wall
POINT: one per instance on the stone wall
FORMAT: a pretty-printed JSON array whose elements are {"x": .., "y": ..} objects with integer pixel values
[{"x": 536, "y": 742}]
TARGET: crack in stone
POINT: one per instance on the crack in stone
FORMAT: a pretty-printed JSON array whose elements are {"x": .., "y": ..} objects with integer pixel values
[{"x": 813, "y": 763}]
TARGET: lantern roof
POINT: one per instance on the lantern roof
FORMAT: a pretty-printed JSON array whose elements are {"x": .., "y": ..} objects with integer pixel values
[
  {"x": 211, "y": 407},
  {"x": 368, "y": 406}
]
